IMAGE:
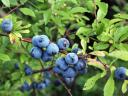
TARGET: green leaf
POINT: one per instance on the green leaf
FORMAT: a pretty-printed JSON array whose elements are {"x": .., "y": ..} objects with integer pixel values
[
  {"x": 47, "y": 16},
  {"x": 120, "y": 54},
  {"x": 100, "y": 46},
  {"x": 82, "y": 32},
  {"x": 27, "y": 11},
  {"x": 124, "y": 86},
  {"x": 4, "y": 57},
  {"x": 121, "y": 15},
  {"x": 102, "y": 11},
  {"x": 104, "y": 37},
  {"x": 120, "y": 32},
  {"x": 91, "y": 81},
  {"x": 6, "y": 3},
  {"x": 25, "y": 31},
  {"x": 78, "y": 10},
  {"x": 15, "y": 76},
  {"x": 122, "y": 46},
  {"x": 42, "y": 1},
  {"x": 23, "y": 1},
  {"x": 95, "y": 63},
  {"x": 7, "y": 85},
  {"x": 84, "y": 45},
  {"x": 109, "y": 86}
]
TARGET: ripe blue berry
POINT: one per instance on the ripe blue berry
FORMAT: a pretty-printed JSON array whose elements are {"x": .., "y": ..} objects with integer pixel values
[
  {"x": 57, "y": 82},
  {"x": 7, "y": 25},
  {"x": 52, "y": 49},
  {"x": 71, "y": 58},
  {"x": 83, "y": 71},
  {"x": 46, "y": 57},
  {"x": 75, "y": 50},
  {"x": 16, "y": 66},
  {"x": 47, "y": 74},
  {"x": 41, "y": 41},
  {"x": 47, "y": 82},
  {"x": 60, "y": 62},
  {"x": 57, "y": 70},
  {"x": 63, "y": 43},
  {"x": 81, "y": 64},
  {"x": 25, "y": 87},
  {"x": 34, "y": 85},
  {"x": 41, "y": 85},
  {"x": 28, "y": 70},
  {"x": 36, "y": 52},
  {"x": 69, "y": 80},
  {"x": 69, "y": 73},
  {"x": 120, "y": 73}
]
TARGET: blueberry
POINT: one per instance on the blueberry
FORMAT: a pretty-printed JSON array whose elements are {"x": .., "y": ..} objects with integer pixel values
[
  {"x": 63, "y": 43},
  {"x": 41, "y": 41},
  {"x": 46, "y": 57},
  {"x": 75, "y": 50},
  {"x": 71, "y": 58},
  {"x": 82, "y": 71},
  {"x": 60, "y": 62},
  {"x": 36, "y": 52},
  {"x": 7, "y": 25},
  {"x": 41, "y": 85},
  {"x": 120, "y": 73},
  {"x": 69, "y": 80},
  {"x": 25, "y": 87},
  {"x": 16, "y": 66},
  {"x": 81, "y": 64},
  {"x": 47, "y": 74},
  {"x": 52, "y": 49},
  {"x": 57, "y": 82},
  {"x": 34, "y": 85},
  {"x": 28, "y": 70},
  {"x": 47, "y": 82},
  {"x": 57, "y": 70},
  {"x": 69, "y": 73}
]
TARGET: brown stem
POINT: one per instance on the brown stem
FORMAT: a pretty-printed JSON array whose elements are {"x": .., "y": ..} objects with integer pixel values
[
  {"x": 12, "y": 10},
  {"x": 61, "y": 81},
  {"x": 42, "y": 70}
]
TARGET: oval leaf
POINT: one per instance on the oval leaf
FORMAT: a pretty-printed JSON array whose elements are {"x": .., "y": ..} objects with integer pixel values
[
  {"x": 6, "y": 3},
  {"x": 91, "y": 82},
  {"x": 120, "y": 54},
  {"x": 27, "y": 11},
  {"x": 109, "y": 87}
]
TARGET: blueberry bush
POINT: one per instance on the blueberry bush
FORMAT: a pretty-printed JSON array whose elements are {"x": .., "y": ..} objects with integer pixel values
[{"x": 63, "y": 48}]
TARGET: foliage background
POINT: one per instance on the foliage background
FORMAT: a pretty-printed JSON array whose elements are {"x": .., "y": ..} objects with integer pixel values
[{"x": 99, "y": 25}]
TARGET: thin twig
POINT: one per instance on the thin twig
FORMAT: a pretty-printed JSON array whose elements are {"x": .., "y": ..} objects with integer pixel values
[
  {"x": 2, "y": 34},
  {"x": 42, "y": 70},
  {"x": 12, "y": 10},
  {"x": 61, "y": 81}
]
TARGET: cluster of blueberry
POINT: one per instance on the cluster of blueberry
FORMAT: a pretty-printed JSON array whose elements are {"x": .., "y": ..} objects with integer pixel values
[
  {"x": 69, "y": 66},
  {"x": 37, "y": 85},
  {"x": 121, "y": 73},
  {"x": 44, "y": 49},
  {"x": 7, "y": 25}
]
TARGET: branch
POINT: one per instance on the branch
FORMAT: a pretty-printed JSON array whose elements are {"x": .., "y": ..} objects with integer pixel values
[
  {"x": 61, "y": 81},
  {"x": 12, "y": 10},
  {"x": 43, "y": 70}
]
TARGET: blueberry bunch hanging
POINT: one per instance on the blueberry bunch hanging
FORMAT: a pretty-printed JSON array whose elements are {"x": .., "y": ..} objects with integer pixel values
[
  {"x": 43, "y": 49},
  {"x": 69, "y": 66}
]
